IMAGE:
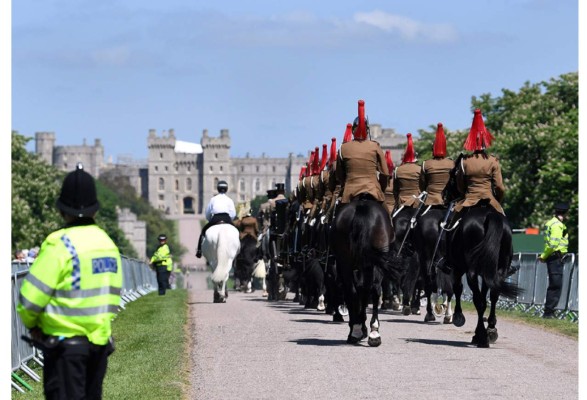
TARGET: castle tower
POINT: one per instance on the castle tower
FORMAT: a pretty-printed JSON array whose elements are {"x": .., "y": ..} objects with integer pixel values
[
  {"x": 161, "y": 160},
  {"x": 216, "y": 166},
  {"x": 44, "y": 143}
]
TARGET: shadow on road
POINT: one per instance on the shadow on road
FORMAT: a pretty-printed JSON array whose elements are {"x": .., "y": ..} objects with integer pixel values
[
  {"x": 435, "y": 342},
  {"x": 319, "y": 342}
]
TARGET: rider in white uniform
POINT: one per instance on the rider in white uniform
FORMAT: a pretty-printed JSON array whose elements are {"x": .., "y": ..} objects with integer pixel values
[{"x": 220, "y": 209}]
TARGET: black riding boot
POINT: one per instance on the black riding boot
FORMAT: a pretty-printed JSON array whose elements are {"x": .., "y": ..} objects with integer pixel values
[{"x": 199, "y": 249}]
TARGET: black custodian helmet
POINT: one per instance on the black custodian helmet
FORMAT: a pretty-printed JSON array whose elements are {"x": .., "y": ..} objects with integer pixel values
[
  {"x": 222, "y": 186},
  {"x": 162, "y": 237},
  {"x": 78, "y": 194}
]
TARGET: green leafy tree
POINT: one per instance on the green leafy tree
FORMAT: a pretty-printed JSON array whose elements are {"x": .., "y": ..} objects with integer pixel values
[{"x": 35, "y": 188}]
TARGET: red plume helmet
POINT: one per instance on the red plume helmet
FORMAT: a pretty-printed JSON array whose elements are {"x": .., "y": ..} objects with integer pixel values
[
  {"x": 303, "y": 172},
  {"x": 389, "y": 161},
  {"x": 310, "y": 163},
  {"x": 439, "y": 148},
  {"x": 348, "y": 134},
  {"x": 479, "y": 137},
  {"x": 324, "y": 157},
  {"x": 316, "y": 162},
  {"x": 360, "y": 124},
  {"x": 332, "y": 159},
  {"x": 409, "y": 154}
]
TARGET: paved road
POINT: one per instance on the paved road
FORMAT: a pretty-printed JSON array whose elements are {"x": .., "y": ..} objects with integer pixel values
[{"x": 250, "y": 348}]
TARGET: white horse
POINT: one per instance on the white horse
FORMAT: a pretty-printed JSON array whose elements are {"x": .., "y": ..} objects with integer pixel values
[{"x": 220, "y": 247}]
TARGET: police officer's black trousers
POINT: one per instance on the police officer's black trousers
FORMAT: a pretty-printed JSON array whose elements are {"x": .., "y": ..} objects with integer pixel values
[
  {"x": 555, "y": 284},
  {"x": 162, "y": 279},
  {"x": 74, "y": 371}
]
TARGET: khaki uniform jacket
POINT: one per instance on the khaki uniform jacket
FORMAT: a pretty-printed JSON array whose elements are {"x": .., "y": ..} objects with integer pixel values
[
  {"x": 327, "y": 195},
  {"x": 248, "y": 226},
  {"x": 280, "y": 196},
  {"x": 406, "y": 184},
  {"x": 308, "y": 193},
  {"x": 357, "y": 167},
  {"x": 479, "y": 177},
  {"x": 433, "y": 179},
  {"x": 389, "y": 197}
]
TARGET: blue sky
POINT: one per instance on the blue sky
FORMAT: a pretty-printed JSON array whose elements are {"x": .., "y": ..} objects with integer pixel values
[{"x": 281, "y": 76}]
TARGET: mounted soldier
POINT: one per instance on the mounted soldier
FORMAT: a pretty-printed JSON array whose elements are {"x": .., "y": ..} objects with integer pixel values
[{"x": 220, "y": 209}]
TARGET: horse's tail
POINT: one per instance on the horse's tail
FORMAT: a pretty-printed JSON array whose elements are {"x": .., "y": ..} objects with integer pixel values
[
  {"x": 486, "y": 254},
  {"x": 360, "y": 233},
  {"x": 227, "y": 248}
]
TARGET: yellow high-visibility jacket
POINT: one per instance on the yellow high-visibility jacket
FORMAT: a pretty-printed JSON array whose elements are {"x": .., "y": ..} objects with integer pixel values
[
  {"x": 73, "y": 286},
  {"x": 162, "y": 256},
  {"x": 556, "y": 238}
]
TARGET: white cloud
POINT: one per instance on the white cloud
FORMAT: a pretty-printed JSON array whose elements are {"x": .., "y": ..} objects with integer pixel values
[{"x": 406, "y": 27}]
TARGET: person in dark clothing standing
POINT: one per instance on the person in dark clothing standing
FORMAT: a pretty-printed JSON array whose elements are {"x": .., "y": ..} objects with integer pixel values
[{"x": 556, "y": 242}]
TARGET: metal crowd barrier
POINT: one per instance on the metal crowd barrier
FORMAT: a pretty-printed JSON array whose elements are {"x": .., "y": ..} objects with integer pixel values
[
  {"x": 138, "y": 280},
  {"x": 532, "y": 278}
]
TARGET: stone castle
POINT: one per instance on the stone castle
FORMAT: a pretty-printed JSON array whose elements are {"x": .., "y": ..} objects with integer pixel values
[{"x": 180, "y": 177}]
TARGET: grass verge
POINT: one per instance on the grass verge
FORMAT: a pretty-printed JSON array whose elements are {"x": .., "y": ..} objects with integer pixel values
[
  {"x": 564, "y": 327},
  {"x": 148, "y": 363}
]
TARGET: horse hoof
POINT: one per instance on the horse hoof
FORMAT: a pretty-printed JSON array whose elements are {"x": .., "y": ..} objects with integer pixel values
[
  {"x": 492, "y": 335},
  {"x": 374, "y": 341},
  {"x": 415, "y": 311},
  {"x": 353, "y": 340},
  {"x": 337, "y": 318},
  {"x": 386, "y": 305},
  {"x": 429, "y": 317},
  {"x": 406, "y": 310},
  {"x": 343, "y": 310},
  {"x": 458, "y": 320},
  {"x": 438, "y": 310},
  {"x": 265, "y": 294},
  {"x": 447, "y": 320}
]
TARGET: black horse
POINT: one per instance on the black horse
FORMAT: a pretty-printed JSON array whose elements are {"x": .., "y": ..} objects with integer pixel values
[
  {"x": 361, "y": 240},
  {"x": 405, "y": 259},
  {"x": 245, "y": 262},
  {"x": 430, "y": 245},
  {"x": 481, "y": 248}
]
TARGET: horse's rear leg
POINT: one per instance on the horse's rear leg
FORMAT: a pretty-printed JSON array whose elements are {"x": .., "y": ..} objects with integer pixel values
[
  {"x": 492, "y": 319},
  {"x": 480, "y": 300},
  {"x": 430, "y": 298},
  {"x": 448, "y": 309},
  {"x": 458, "y": 317},
  {"x": 374, "y": 336}
]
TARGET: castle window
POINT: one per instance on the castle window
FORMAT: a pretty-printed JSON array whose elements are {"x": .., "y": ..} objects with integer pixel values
[
  {"x": 242, "y": 168},
  {"x": 221, "y": 168},
  {"x": 176, "y": 184},
  {"x": 257, "y": 185},
  {"x": 166, "y": 169},
  {"x": 257, "y": 168},
  {"x": 161, "y": 184},
  {"x": 273, "y": 168},
  {"x": 160, "y": 155},
  {"x": 215, "y": 182},
  {"x": 189, "y": 167},
  {"x": 241, "y": 197},
  {"x": 242, "y": 185},
  {"x": 64, "y": 165},
  {"x": 188, "y": 184},
  {"x": 161, "y": 197},
  {"x": 156, "y": 168},
  {"x": 211, "y": 168},
  {"x": 216, "y": 156}
]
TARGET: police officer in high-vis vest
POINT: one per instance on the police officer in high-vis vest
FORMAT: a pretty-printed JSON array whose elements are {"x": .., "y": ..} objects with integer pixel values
[
  {"x": 556, "y": 242},
  {"x": 163, "y": 264},
  {"x": 71, "y": 294}
]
